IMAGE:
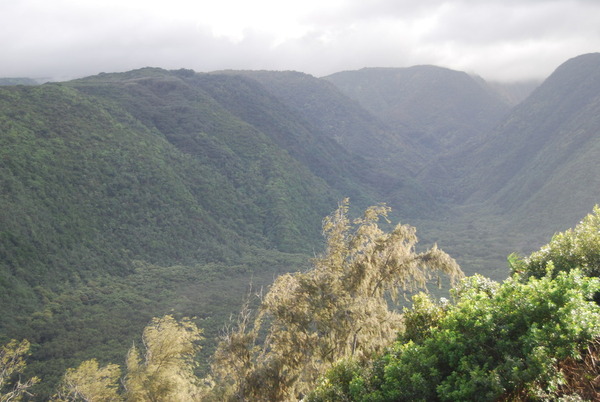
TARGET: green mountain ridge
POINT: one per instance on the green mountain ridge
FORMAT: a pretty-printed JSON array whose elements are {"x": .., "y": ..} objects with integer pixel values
[
  {"x": 107, "y": 178},
  {"x": 249, "y": 160}
]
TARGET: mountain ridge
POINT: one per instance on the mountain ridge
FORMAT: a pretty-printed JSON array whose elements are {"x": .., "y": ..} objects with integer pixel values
[{"x": 450, "y": 107}]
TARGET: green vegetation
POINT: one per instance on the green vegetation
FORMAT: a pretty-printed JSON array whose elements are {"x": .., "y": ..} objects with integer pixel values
[
  {"x": 305, "y": 323},
  {"x": 340, "y": 308},
  {"x": 101, "y": 317},
  {"x": 107, "y": 222},
  {"x": 575, "y": 248},
  {"x": 495, "y": 341},
  {"x": 12, "y": 363},
  {"x": 532, "y": 337},
  {"x": 329, "y": 333}
]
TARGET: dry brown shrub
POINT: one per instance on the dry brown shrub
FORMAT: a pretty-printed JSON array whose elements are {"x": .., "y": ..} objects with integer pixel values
[{"x": 582, "y": 376}]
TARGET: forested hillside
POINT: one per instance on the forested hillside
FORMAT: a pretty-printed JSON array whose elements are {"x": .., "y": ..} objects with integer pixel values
[
  {"x": 545, "y": 153},
  {"x": 107, "y": 180},
  {"x": 80, "y": 172},
  {"x": 127, "y": 196},
  {"x": 391, "y": 151},
  {"x": 450, "y": 109},
  {"x": 17, "y": 81}
]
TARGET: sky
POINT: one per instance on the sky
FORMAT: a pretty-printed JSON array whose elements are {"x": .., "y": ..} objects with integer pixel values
[{"x": 500, "y": 40}]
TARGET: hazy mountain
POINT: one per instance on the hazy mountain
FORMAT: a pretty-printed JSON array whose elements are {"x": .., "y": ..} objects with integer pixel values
[
  {"x": 385, "y": 159},
  {"x": 447, "y": 112},
  {"x": 448, "y": 109},
  {"x": 513, "y": 93},
  {"x": 541, "y": 163},
  {"x": 17, "y": 81}
]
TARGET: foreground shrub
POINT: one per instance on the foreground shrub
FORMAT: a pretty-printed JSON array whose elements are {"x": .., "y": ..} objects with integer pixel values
[
  {"x": 494, "y": 341},
  {"x": 12, "y": 363},
  {"x": 574, "y": 248}
]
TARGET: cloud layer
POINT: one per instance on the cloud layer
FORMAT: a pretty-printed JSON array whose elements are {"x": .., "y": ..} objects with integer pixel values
[{"x": 497, "y": 39}]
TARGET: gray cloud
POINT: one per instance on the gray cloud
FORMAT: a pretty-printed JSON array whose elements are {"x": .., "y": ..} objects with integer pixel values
[{"x": 497, "y": 39}]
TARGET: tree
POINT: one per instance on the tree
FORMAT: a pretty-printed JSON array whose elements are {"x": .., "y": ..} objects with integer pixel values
[
  {"x": 167, "y": 370},
  {"x": 90, "y": 383},
  {"x": 12, "y": 363},
  {"x": 164, "y": 373},
  {"x": 337, "y": 309},
  {"x": 575, "y": 248}
]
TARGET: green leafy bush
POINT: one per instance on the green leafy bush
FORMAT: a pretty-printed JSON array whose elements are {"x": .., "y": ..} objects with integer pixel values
[
  {"x": 575, "y": 248},
  {"x": 494, "y": 341}
]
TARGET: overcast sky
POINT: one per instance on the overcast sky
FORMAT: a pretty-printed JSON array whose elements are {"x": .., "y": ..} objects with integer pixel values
[{"x": 497, "y": 39}]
